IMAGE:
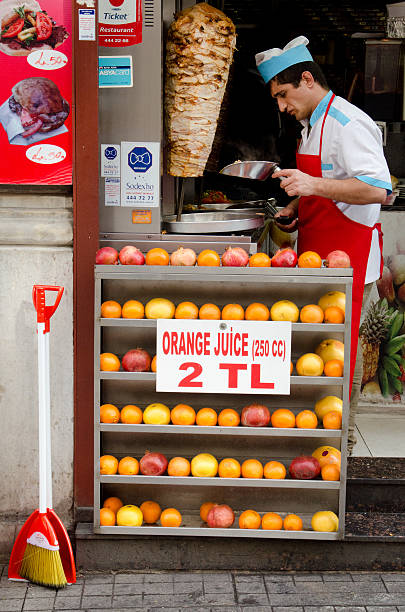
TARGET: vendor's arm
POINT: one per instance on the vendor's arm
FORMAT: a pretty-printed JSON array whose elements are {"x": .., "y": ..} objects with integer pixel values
[{"x": 350, "y": 191}]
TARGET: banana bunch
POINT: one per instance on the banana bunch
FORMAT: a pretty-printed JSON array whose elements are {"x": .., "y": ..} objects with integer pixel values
[{"x": 389, "y": 371}]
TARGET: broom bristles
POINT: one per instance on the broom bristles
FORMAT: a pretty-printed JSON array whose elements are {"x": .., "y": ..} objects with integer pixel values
[{"x": 42, "y": 566}]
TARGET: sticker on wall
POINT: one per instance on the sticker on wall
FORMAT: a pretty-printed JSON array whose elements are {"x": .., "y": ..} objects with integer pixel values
[
  {"x": 119, "y": 23},
  {"x": 115, "y": 71},
  {"x": 140, "y": 172},
  {"x": 110, "y": 160},
  {"x": 87, "y": 24},
  {"x": 112, "y": 191}
]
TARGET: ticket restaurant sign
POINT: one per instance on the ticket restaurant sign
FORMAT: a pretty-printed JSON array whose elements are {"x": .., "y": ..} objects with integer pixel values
[
  {"x": 36, "y": 92},
  {"x": 223, "y": 356}
]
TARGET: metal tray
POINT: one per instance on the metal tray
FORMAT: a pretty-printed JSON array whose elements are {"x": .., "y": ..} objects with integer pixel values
[{"x": 214, "y": 222}]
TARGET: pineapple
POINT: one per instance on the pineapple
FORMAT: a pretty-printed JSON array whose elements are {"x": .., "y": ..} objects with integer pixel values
[{"x": 373, "y": 331}]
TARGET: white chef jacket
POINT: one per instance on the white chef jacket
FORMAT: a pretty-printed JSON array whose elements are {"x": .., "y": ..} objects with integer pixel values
[{"x": 351, "y": 148}]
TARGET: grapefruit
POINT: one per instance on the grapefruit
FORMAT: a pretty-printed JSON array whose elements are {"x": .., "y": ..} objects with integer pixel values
[
  {"x": 327, "y": 404},
  {"x": 159, "y": 308},
  {"x": 333, "y": 298},
  {"x": 325, "y": 520},
  {"x": 284, "y": 310},
  {"x": 204, "y": 465},
  {"x": 129, "y": 516},
  {"x": 330, "y": 349},
  {"x": 156, "y": 414}
]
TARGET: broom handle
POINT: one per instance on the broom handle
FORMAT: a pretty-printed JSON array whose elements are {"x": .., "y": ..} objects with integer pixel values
[
  {"x": 44, "y": 313},
  {"x": 42, "y": 418}
]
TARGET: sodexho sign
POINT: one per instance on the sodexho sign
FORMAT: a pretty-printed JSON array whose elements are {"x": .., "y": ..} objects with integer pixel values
[
  {"x": 223, "y": 356},
  {"x": 140, "y": 159}
]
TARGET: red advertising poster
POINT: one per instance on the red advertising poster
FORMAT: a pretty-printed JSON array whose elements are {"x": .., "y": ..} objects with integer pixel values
[
  {"x": 36, "y": 92},
  {"x": 119, "y": 23}
]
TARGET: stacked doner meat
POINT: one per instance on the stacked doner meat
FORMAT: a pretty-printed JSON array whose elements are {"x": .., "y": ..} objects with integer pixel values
[{"x": 200, "y": 47}]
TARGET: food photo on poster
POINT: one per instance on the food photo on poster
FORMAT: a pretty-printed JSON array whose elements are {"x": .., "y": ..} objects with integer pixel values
[{"x": 36, "y": 92}]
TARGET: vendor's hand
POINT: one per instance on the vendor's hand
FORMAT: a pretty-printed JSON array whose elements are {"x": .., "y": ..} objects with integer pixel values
[
  {"x": 295, "y": 182},
  {"x": 288, "y": 211}
]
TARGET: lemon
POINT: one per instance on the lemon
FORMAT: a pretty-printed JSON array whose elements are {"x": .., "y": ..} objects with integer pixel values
[
  {"x": 325, "y": 520},
  {"x": 204, "y": 465},
  {"x": 284, "y": 310},
  {"x": 327, "y": 404},
  {"x": 159, "y": 308},
  {"x": 156, "y": 414},
  {"x": 129, "y": 516},
  {"x": 333, "y": 298},
  {"x": 309, "y": 364}
]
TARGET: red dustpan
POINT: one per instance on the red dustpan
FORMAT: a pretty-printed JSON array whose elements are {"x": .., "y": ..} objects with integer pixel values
[{"x": 44, "y": 527}]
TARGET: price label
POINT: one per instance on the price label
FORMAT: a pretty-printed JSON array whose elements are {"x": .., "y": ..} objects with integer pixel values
[{"x": 223, "y": 356}]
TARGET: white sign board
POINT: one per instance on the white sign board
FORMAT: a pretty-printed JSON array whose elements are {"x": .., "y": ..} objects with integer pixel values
[
  {"x": 112, "y": 191},
  {"x": 110, "y": 160},
  {"x": 223, "y": 356},
  {"x": 140, "y": 173}
]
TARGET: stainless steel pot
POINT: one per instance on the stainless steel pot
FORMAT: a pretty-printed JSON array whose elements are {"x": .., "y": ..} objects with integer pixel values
[{"x": 214, "y": 222}]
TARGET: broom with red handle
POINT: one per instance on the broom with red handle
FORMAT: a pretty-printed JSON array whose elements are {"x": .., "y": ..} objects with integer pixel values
[{"x": 42, "y": 552}]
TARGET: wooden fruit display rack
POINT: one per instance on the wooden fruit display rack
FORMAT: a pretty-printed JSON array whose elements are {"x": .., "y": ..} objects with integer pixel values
[{"x": 221, "y": 286}]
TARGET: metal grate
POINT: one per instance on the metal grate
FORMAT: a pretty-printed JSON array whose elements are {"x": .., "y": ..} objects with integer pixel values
[{"x": 149, "y": 16}]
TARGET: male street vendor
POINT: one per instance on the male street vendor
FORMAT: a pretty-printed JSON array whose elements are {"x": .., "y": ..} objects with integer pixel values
[{"x": 341, "y": 178}]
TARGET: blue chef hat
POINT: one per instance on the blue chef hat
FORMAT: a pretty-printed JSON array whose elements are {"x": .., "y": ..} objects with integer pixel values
[{"x": 272, "y": 62}]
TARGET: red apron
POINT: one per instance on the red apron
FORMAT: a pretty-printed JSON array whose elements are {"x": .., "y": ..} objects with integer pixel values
[{"x": 324, "y": 228}]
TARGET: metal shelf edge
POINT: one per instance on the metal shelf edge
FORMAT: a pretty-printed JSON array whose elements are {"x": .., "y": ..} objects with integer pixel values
[
  {"x": 220, "y": 431},
  {"x": 194, "y": 481},
  {"x": 206, "y": 531}
]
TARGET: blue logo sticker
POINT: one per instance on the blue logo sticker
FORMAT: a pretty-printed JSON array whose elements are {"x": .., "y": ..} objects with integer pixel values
[
  {"x": 139, "y": 159},
  {"x": 110, "y": 152}
]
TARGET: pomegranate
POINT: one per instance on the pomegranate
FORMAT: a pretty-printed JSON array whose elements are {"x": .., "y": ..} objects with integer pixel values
[
  {"x": 385, "y": 285},
  {"x": 131, "y": 256},
  {"x": 153, "y": 464},
  {"x": 337, "y": 259},
  {"x": 220, "y": 516},
  {"x": 183, "y": 257},
  {"x": 136, "y": 360},
  {"x": 305, "y": 467},
  {"x": 255, "y": 415},
  {"x": 107, "y": 256},
  {"x": 284, "y": 258},
  {"x": 401, "y": 293},
  {"x": 235, "y": 256}
]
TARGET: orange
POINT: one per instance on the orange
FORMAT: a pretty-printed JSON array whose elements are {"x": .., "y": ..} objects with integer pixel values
[
  {"x": 233, "y": 312},
  {"x": 229, "y": 468},
  {"x": 252, "y": 468},
  {"x": 334, "y": 314},
  {"x": 157, "y": 257},
  {"x": 151, "y": 512},
  {"x": 272, "y": 520},
  {"x": 170, "y": 518},
  {"x": 306, "y": 419},
  {"x": 228, "y": 417},
  {"x": 205, "y": 508},
  {"x": 250, "y": 519},
  {"x": 257, "y": 312},
  {"x": 332, "y": 420},
  {"x": 109, "y": 362},
  {"x": 186, "y": 310},
  {"x": 292, "y": 522},
  {"x": 113, "y": 503},
  {"x": 309, "y": 259},
  {"x": 109, "y": 413},
  {"x": 108, "y": 465},
  {"x": 311, "y": 313},
  {"x": 182, "y": 414},
  {"x": 131, "y": 415},
  {"x": 107, "y": 517},
  {"x": 153, "y": 364},
  {"x": 274, "y": 469},
  {"x": 133, "y": 310},
  {"x": 333, "y": 367},
  {"x": 209, "y": 311},
  {"x": 110, "y": 310},
  {"x": 283, "y": 418},
  {"x": 207, "y": 417},
  {"x": 330, "y": 472},
  {"x": 179, "y": 466},
  {"x": 260, "y": 260},
  {"x": 208, "y": 257},
  {"x": 291, "y": 367},
  {"x": 128, "y": 466}
]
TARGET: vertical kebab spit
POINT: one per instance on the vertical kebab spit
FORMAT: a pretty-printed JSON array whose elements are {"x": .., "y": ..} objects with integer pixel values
[{"x": 199, "y": 52}]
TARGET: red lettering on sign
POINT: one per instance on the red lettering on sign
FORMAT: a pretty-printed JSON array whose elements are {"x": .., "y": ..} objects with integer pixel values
[
  {"x": 175, "y": 338},
  {"x": 166, "y": 343},
  {"x": 233, "y": 370},
  {"x": 255, "y": 381},
  {"x": 186, "y": 381}
]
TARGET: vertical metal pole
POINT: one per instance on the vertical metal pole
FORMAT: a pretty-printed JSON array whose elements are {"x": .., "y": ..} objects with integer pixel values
[{"x": 42, "y": 418}]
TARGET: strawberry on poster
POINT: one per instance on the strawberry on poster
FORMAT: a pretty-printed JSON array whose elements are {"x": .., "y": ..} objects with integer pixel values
[
  {"x": 36, "y": 60},
  {"x": 223, "y": 356}
]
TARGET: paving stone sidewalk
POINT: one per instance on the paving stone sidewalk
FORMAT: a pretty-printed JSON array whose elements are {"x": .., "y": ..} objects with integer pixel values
[{"x": 212, "y": 592}]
